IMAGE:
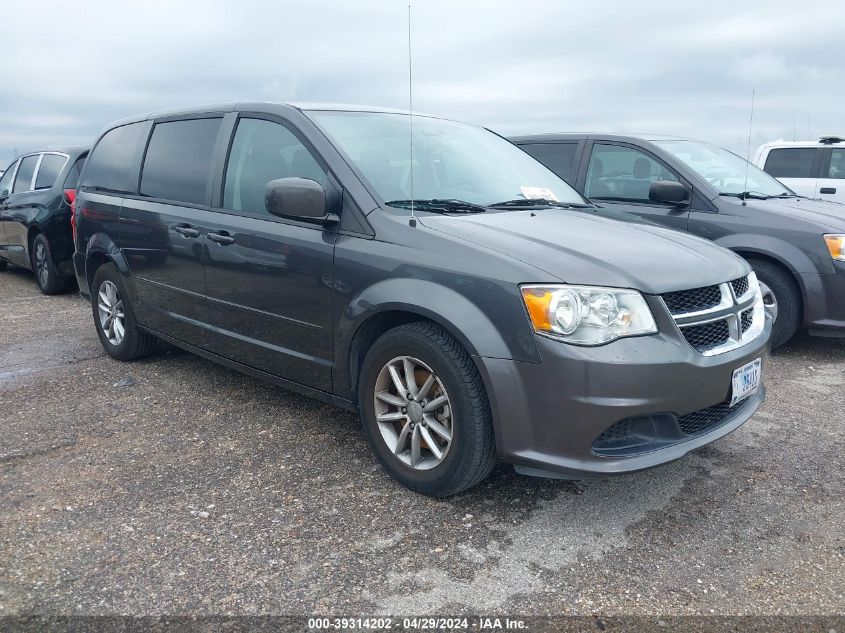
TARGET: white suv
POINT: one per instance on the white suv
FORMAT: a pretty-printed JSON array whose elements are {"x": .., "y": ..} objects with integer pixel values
[{"x": 815, "y": 169}]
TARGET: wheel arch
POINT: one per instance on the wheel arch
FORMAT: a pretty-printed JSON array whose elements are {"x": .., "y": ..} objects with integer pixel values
[
  {"x": 390, "y": 303},
  {"x": 101, "y": 249}
]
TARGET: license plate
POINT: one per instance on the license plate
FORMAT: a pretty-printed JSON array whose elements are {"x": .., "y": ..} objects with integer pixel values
[{"x": 746, "y": 381}]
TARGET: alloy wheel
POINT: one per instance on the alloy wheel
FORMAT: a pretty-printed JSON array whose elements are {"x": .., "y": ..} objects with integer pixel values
[
  {"x": 770, "y": 301},
  {"x": 112, "y": 316},
  {"x": 413, "y": 412},
  {"x": 41, "y": 268}
]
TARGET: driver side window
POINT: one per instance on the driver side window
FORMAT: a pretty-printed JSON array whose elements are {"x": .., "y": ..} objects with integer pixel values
[
  {"x": 623, "y": 173},
  {"x": 263, "y": 151}
]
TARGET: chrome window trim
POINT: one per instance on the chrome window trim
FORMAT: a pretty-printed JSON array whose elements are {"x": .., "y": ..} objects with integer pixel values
[{"x": 35, "y": 171}]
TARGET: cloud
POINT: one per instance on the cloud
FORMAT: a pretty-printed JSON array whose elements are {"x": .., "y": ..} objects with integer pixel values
[{"x": 675, "y": 68}]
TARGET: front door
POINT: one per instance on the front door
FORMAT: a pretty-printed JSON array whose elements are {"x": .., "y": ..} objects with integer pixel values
[
  {"x": 619, "y": 176},
  {"x": 268, "y": 279},
  {"x": 831, "y": 183}
]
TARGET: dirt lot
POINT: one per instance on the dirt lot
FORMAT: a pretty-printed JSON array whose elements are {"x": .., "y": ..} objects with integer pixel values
[{"x": 193, "y": 489}]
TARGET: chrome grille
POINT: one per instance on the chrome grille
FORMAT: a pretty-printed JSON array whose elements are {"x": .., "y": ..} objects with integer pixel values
[
  {"x": 740, "y": 286},
  {"x": 716, "y": 319},
  {"x": 707, "y": 336},
  {"x": 693, "y": 300},
  {"x": 747, "y": 319}
]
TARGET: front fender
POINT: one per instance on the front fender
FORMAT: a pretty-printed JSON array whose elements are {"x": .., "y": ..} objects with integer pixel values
[
  {"x": 790, "y": 256},
  {"x": 463, "y": 319}
]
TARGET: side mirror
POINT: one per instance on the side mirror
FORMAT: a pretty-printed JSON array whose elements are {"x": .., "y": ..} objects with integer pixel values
[
  {"x": 668, "y": 191},
  {"x": 298, "y": 198}
]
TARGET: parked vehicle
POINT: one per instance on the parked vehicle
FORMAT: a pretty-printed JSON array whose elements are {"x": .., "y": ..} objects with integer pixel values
[
  {"x": 815, "y": 169},
  {"x": 794, "y": 244},
  {"x": 36, "y": 192},
  {"x": 463, "y": 319}
]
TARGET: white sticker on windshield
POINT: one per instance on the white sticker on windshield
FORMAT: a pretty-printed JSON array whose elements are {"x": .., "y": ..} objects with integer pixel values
[{"x": 538, "y": 193}]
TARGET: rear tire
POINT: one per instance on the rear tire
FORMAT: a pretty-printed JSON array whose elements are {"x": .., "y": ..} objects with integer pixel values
[
  {"x": 782, "y": 295},
  {"x": 3, "y": 265},
  {"x": 47, "y": 276},
  {"x": 438, "y": 361},
  {"x": 114, "y": 318}
]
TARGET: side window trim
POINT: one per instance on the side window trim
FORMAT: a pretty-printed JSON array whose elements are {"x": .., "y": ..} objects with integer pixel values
[
  {"x": 647, "y": 154},
  {"x": 823, "y": 162},
  {"x": 35, "y": 172}
]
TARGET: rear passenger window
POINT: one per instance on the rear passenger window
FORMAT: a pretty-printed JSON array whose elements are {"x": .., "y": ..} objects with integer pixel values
[
  {"x": 179, "y": 158},
  {"x": 559, "y": 157},
  {"x": 23, "y": 180},
  {"x": 792, "y": 162},
  {"x": 263, "y": 151},
  {"x": 111, "y": 160},
  {"x": 49, "y": 170}
]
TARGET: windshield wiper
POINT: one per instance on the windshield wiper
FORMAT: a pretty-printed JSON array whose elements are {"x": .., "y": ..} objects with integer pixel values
[
  {"x": 539, "y": 202},
  {"x": 439, "y": 205},
  {"x": 745, "y": 195}
]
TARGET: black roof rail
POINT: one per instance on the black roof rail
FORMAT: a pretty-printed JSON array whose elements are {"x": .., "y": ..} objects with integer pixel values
[{"x": 829, "y": 140}]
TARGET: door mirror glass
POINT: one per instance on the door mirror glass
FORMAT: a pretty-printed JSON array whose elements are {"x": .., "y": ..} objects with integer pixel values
[
  {"x": 299, "y": 198},
  {"x": 668, "y": 191}
]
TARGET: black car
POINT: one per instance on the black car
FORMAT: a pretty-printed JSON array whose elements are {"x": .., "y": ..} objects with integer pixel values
[
  {"x": 468, "y": 303},
  {"x": 794, "y": 244},
  {"x": 36, "y": 194}
]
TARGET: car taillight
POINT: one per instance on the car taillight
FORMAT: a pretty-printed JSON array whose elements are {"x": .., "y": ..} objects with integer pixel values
[{"x": 70, "y": 198}]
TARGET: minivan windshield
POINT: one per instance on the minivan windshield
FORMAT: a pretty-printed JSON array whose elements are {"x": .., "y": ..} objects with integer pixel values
[
  {"x": 723, "y": 169},
  {"x": 453, "y": 162}
]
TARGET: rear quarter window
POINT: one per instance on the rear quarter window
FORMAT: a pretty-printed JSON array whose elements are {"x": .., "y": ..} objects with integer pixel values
[
  {"x": 791, "y": 162},
  {"x": 179, "y": 160},
  {"x": 110, "y": 162}
]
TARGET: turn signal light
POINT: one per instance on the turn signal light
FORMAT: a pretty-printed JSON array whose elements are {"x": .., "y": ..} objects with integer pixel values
[{"x": 836, "y": 246}]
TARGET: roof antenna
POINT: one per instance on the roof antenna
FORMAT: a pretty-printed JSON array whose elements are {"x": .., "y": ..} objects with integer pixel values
[
  {"x": 748, "y": 152},
  {"x": 413, "y": 220}
]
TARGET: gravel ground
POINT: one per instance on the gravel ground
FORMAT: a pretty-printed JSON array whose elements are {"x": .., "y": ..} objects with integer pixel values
[{"x": 196, "y": 490}]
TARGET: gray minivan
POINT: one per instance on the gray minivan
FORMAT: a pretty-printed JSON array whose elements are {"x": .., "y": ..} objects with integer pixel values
[
  {"x": 796, "y": 245},
  {"x": 467, "y": 302}
]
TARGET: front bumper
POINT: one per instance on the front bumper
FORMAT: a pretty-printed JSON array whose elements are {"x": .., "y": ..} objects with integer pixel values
[
  {"x": 824, "y": 302},
  {"x": 550, "y": 415}
]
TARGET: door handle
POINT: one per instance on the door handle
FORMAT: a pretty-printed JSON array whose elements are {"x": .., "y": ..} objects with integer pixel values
[
  {"x": 222, "y": 238},
  {"x": 186, "y": 230},
  {"x": 827, "y": 190}
]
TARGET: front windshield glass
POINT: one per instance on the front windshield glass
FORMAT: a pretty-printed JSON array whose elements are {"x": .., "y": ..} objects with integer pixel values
[
  {"x": 452, "y": 161},
  {"x": 723, "y": 169}
]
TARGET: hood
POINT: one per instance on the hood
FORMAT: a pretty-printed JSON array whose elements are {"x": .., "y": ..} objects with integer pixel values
[
  {"x": 584, "y": 247},
  {"x": 822, "y": 212}
]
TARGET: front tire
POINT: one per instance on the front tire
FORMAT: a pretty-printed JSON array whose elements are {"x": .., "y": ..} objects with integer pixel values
[
  {"x": 114, "y": 318},
  {"x": 47, "y": 276},
  {"x": 425, "y": 410},
  {"x": 782, "y": 299}
]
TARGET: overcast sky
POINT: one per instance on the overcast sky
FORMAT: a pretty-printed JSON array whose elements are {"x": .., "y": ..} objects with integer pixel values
[{"x": 69, "y": 68}]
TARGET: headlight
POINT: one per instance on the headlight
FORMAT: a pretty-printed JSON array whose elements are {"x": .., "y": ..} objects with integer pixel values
[
  {"x": 587, "y": 315},
  {"x": 836, "y": 246}
]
